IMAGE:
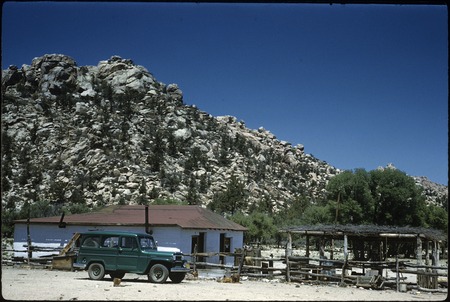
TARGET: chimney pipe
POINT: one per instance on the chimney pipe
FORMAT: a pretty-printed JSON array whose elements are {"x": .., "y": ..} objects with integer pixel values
[
  {"x": 61, "y": 223},
  {"x": 146, "y": 221}
]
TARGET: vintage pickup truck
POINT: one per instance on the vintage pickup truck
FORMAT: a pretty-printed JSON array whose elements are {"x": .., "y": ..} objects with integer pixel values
[{"x": 118, "y": 253}]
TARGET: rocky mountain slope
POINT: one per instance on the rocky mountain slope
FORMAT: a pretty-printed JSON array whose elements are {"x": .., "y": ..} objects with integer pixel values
[{"x": 112, "y": 133}]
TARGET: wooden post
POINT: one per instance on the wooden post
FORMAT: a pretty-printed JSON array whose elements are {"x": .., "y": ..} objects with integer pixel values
[
  {"x": 322, "y": 247},
  {"x": 436, "y": 262},
  {"x": 332, "y": 249},
  {"x": 385, "y": 253},
  {"x": 421, "y": 279},
  {"x": 195, "y": 259},
  {"x": 385, "y": 249},
  {"x": 427, "y": 252},
  {"x": 29, "y": 252},
  {"x": 288, "y": 273},
  {"x": 307, "y": 246},
  {"x": 289, "y": 245},
  {"x": 345, "y": 247},
  {"x": 397, "y": 278},
  {"x": 435, "y": 253},
  {"x": 241, "y": 264},
  {"x": 380, "y": 255},
  {"x": 419, "y": 250},
  {"x": 344, "y": 266},
  {"x": 381, "y": 249},
  {"x": 288, "y": 253}
]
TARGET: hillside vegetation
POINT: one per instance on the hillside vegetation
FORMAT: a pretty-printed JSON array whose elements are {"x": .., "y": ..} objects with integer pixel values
[{"x": 79, "y": 137}]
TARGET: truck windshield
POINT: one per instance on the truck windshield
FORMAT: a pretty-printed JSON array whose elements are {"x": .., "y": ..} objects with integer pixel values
[{"x": 147, "y": 243}]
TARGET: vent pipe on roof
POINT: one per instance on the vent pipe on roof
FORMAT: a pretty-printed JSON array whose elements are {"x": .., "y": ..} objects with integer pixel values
[
  {"x": 61, "y": 223},
  {"x": 147, "y": 230}
]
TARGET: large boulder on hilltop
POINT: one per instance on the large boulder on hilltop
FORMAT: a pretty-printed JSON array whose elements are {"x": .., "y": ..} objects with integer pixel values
[
  {"x": 57, "y": 74},
  {"x": 11, "y": 76},
  {"x": 175, "y": 92},
  {"x": 48, "y": 62},
  {"x": 85, "y": 80},
  {"x": 122, "y": 74},
  {"x": 57, "y": 59}
]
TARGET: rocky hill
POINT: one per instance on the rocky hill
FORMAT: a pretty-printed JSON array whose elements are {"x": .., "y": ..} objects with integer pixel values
[
  {"x": 112, "y": 133},
  {"x": 435, "y": 193}
]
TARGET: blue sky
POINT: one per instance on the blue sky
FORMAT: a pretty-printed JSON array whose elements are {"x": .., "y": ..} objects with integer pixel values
[{"x": 360, "y": 86}]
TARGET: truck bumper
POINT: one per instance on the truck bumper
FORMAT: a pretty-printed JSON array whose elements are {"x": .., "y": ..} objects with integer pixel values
[
  {"x": 79, "y": 266},
  {"x": 178, "y": 269}
]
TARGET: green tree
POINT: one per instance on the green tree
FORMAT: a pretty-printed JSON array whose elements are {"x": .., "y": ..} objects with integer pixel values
[
  {"x": 77, "y": 208},
  {"x": 153, "y": 193},
  {"x": 142, "y": 200},
  {"x": 40, "y": 208},
  {"x": 293, "y": 213},
  {"x": 260, "y": 226},
  {"x": 225, "y": 147},
  {"x": 8, "y": 217},
  {"x": 350, "y": 196},
  {"x": 437, "y": 218},
  {"x": 264, "y": 205},
  {"x": 192, "y": 197},
  {"x": 347, "y": 212},
  {"x": 233, "y": 199},
  {"x": 382, "y": 196},
  {"x": 156, "y": 157},
  {"x": 162, "y": 201},
  {"x": 203, "y": 186},
  {"x": 398, "y": 200},
  {"x": 143, "y": 187},
  {"x": 318, "y": 214}
]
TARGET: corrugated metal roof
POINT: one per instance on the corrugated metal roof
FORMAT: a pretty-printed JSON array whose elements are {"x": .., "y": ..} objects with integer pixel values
[{"x": 188, "y": 217}]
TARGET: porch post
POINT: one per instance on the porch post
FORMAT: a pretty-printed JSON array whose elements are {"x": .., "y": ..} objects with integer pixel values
[{"x": 419, "y": 250}]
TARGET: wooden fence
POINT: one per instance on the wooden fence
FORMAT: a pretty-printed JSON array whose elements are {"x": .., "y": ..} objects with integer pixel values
[
  {"x": 368, "y": 274},
  {"x": 314, "y": 270}
]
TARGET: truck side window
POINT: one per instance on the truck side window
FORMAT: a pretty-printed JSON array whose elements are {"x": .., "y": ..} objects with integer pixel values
[
  {"x": 128, "y": 242},
  {"x": 111, "y": 241},
  {"x": 91, "y": 242},
  {"x": 147, "y": 243}
]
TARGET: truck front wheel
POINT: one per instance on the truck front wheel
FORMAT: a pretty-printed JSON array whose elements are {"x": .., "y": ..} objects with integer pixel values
[
  {"x": 96, "y": 271},
  {"x": 158, "y": 273}
]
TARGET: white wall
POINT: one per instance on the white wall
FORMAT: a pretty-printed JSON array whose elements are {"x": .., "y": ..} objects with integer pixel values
[{"x": 52, "y": 236}]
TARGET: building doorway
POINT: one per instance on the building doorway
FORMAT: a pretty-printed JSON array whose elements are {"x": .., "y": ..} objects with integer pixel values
[
  {"x": 198, "y": 245},
  {"x": 225, "y": 246}
]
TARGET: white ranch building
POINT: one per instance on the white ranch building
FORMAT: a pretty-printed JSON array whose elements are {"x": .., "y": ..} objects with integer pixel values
[{"x": 173, "y": 226}]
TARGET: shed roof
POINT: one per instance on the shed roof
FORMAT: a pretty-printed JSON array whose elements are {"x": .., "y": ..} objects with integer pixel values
[
  {"x": 185, "y": 216},
  {"x": 366, "y": 231}
]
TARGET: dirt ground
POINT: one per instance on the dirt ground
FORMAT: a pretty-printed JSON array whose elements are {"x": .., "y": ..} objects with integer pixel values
[{"x": 50, "y": 285}]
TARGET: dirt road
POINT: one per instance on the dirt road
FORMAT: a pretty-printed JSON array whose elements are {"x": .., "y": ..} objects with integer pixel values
[{"x": 43, "y": 284}]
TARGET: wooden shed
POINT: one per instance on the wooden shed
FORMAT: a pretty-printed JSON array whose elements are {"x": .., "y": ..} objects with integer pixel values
[
  {"x": 371, "y": 246},
  {"x": 172, "y": 226},
  {"x": 370, "y": 242}
]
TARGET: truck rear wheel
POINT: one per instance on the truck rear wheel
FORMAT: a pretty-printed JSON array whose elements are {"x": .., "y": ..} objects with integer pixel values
[
  {"x": 158, "y": 273},
  {"x": 96, "y": 271}
]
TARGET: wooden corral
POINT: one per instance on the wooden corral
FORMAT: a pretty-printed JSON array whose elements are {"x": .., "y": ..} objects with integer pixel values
[
  {"x": 374, "y": 250},
  {"x": 366, "y": 255}
]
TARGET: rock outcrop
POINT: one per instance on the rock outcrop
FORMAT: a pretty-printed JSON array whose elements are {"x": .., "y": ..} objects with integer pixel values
[{"x": 112, "y": 133}]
